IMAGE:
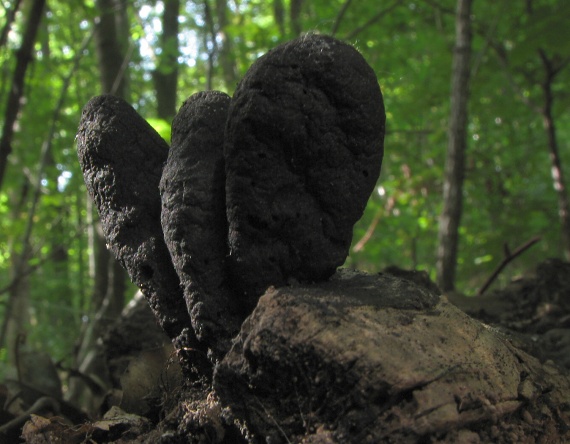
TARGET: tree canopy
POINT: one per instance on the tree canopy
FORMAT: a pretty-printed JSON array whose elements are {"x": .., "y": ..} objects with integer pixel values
[{"x": 520, "y": 65}]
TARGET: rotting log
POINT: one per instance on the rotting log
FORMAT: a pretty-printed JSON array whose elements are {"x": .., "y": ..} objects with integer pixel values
[{"x": 374, "y": 359}]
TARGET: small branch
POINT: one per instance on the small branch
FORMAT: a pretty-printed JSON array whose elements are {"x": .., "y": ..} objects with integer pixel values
[
  {"x": 123, "y": 69},
  {"x": 487, "y": 44},
  {"x": 373, "y": 20},
  {"x": 340, "y": 16},
  {"x": 419, "y": 132},
  {"x": 504, "y": 61},
  {"x": 437, "y": 5},
  {"x": 508, "y": 258},
  {"x": 369, "y": 232},
  {"x": 39, "y": 405}
]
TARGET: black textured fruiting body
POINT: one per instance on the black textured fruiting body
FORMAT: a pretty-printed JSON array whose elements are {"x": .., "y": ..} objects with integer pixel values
[
  {"x": 194, "y": 218},
  {"x": 257, "y": 190},
  {"x": 122, "y": 157},
  {"x": 303, "y": 150}
]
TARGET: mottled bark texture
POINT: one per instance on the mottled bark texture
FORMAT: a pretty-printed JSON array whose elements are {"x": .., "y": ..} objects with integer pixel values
[
  {"x": 304, "y": 146},
  {"x": 194, "y": 217},
  {"x": 122, "y": 157}
]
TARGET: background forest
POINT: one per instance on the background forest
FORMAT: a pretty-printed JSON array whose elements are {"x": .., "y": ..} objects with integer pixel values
[{"x": 58, "y": 284}]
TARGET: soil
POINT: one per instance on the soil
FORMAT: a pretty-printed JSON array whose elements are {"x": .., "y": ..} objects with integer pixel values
[
  {"x": 525, "y": 334},
  {"x": 534, "y": 311}
]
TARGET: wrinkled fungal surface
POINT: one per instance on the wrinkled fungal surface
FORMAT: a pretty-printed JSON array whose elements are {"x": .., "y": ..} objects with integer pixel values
[
  {"x": 256, "y": 190},
  {"x": 121, "y": 157},
  {"x": 194, "y": 217},
  {"x": 304, "y": 146}
]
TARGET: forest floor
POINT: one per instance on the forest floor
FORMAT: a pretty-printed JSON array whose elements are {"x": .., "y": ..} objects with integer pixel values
[{"x": 533, "y": 312}]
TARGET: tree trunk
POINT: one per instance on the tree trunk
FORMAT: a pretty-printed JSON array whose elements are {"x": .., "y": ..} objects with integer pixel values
[
  {"x": 457, "y": 142},
  {"x": 10, "y": 15},
  {"x": 17, "y": 320},
  {"x": 556, "y": 169},
  {"x": 17, "y": 310},
  {"x": 16, "y": 313},
  {"x": 24, "y": 56},
  {"x": 166, "y": 73},
  {"x": 109, "y": 51},
  {"x": 111, "y": 57},
  {"x": 279, "y": 16},
  {"x": 14, "y": 289},
  {"x": 295, "y": 14},
  {"x": 226, "y": 56},
  {"x": 210, "y": 45},
  {"x": 108, "y": 297}
]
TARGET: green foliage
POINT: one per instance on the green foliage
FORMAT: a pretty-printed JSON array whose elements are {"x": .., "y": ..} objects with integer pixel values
[
  {"x": 161, "y": 126},
  {"x": 508, "y": 192}
]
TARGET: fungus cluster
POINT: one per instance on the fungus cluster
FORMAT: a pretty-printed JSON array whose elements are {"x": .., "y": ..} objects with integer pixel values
[{"x": 255, "y": 190}]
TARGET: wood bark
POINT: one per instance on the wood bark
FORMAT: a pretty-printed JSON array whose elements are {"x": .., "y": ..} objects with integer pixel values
[
  {"x": 109, "y": 54},
  {"x": 450, "y": 218},
  {"x": 16, "y": 92},
  {"x": 166, "y": 73}
]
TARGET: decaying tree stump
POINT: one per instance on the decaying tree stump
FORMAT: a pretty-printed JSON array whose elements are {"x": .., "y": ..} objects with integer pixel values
[
  {"x": 258, "y": 198},
  {"x": 374, "y": 359}
]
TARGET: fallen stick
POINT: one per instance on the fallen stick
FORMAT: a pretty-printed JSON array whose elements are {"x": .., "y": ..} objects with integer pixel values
[{"x": 508, "y": 258}]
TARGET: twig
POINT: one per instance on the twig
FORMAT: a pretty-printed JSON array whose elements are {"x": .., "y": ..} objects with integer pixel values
[
  {"x": 508, "y": 258},
  {"x": 340, "y": 16},
  {"x": 370, "y": 231},
  {"x": 38, "y": 406},
  {"x": 373, "y": 20},
  {"x": 364, "y": 239}
]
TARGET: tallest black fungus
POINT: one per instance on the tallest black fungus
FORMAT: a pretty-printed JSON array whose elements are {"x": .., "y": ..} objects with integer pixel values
[{"x": 303, "y": 151}]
